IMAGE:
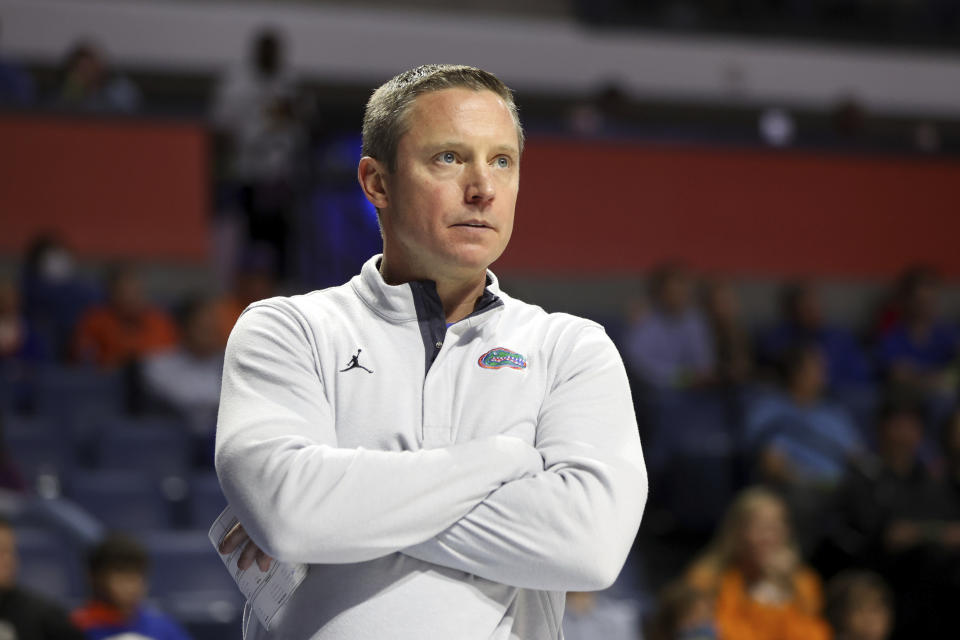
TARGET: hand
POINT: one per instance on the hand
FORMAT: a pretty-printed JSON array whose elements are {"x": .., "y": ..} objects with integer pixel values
[{"x": 237, "y": 537}]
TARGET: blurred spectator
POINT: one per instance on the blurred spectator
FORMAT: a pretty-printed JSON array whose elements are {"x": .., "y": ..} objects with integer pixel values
[
  {"x": 16, "y": 85},
  {"x": 10, "y": 477},
  {"x": 802, "y": 322},
  {"x": 895, "y": 517},
  {"x": 53, "y": 294},
  {"x": 257, "y": 109},
  {"x": 731, "y": 342},
  {"x": 17, "y": 340},
  {"x": 669, "y": 345},
  {"x": 25, "y": 615},
  {"x": 253, "y": 281},
  {"x": 126, "y": 328},
  {"x": 918, "y": 347},
  {"x": 118, "y": 581},
  {"x": 187, "y": 378},
  {"x": 859, "y": 606},
  {"x": 87, "y": 84},
  {"x": 798, "y": 438},
  {"x": 763, "y": 588},
  {"x": 950, "y": 443},
  {"x": 590, "y": 615},
  {"x": 684, "y": 612}
]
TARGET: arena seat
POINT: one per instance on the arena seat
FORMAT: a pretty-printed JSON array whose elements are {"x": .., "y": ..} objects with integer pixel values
[
  {"x": 189, "y": 577},
  {"x": 122, "y": 500},
  {"x": 206, "y": 500},
  {"x": 49, "y": 564},
  {"x": 157, "y": 446},
  {"x": 37, "y": 449}
]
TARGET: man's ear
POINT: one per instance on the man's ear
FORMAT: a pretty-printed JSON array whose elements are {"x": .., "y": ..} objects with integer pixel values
[{"x": 371, "y": 174}]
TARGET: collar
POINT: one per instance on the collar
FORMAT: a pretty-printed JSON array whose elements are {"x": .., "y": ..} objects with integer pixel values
[{"x": 397, "y": 302}]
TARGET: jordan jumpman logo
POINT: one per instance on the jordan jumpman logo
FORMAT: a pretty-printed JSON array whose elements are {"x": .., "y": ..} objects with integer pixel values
[{"x": 355, "y": 363}]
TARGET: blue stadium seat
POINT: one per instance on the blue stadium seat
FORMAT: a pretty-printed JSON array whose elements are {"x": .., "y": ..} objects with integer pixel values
[
  {"x": 158, "y": 446},
  {"x": 37, "y": 448},
  {"x": 694, "y": 454},
  {"x": 122, "y": 500},
  {"x": 206, "y": 500},
  {"x": 189, "y": 578},
  {"x": 75, "y": 393},
  {"x": 49, "y": 564}
]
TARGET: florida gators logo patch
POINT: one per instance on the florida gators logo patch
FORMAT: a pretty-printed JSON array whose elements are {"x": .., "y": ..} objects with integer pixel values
[{"x": 498, "y": 358}]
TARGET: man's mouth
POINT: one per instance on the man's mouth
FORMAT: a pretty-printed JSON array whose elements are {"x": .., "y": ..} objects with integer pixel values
[{"x": 473, "y": 225}]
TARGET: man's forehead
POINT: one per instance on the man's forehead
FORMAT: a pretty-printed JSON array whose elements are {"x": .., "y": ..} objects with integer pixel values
[{"x": 451, "y": 114}]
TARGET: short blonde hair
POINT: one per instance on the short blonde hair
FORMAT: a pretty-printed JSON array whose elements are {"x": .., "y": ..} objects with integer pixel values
[{"x": 384, "y": 120}]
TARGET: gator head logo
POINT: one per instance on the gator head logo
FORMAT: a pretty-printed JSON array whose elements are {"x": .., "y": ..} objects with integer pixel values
[{"x": 498, "y": 358}]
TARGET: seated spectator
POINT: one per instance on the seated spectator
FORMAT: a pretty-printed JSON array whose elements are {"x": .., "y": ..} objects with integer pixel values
[
  {"x": 950, "y": 446},
  {"x": 16, "y": 85},
  {"x": 895, "y": 517},
  {"x": 254, "y": 281},
  {"x": 763, "y": 588},
  {"x": 126, "y": 328},
  {"x": 802, "y": 322},
  {"x": 859, "y": 606},
  {"x": 590, "y": 615},
  {"x": 25, "y": 615},
  {"x": 87, "y": 84},
  {"x": 731, "y": 342},
  {"x": 797, "y": 437},
  {"x": 10, "y": 476},
  {"x": 118, "y": 581},
  {"x": 187, "y": 378},
  {"x": 17, "y": 339},
  {"x": 684, "y": 612},
  {"x": 669, "y": 345},
  {"x": 919, "y": 347},
  {"x": 53, "y": 295}
]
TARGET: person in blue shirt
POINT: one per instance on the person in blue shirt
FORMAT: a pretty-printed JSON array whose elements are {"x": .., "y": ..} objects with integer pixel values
[
  {"x": 118, "y": 578},
  {"x": 919, "y": 347},
  {"x": 803, "y": 322}
]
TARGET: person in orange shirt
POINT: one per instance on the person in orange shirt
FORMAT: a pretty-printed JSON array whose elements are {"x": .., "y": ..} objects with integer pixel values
[
  {"x": 763, "y": 590},
  {"x": 254, "y": 281},
  {"x": 126, "y": 328}
]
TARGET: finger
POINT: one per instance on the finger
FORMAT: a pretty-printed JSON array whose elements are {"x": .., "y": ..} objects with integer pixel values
[
  {"x": 247, "y": 555},
  {"x": 233, "y": 539},
  {"x": 263, "y": 560}
]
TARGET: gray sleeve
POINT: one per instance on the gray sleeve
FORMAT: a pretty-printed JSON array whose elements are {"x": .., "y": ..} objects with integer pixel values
[
  {"x": 302, "y": 498},
  {"x": 569, "y": 527}
]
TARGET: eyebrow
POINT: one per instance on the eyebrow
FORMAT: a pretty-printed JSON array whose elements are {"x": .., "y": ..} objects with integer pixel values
[{"x": 500, "y": 148}]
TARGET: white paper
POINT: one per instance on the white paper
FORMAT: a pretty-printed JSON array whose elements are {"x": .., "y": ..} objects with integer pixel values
[{"x": 266, "y": 592}]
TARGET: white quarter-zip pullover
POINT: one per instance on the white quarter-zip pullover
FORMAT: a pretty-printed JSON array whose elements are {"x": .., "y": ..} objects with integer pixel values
[{"x": 441, "y": 482}]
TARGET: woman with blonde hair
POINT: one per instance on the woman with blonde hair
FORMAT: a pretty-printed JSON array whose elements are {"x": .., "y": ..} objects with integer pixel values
[{"x": 763, "y": 590}]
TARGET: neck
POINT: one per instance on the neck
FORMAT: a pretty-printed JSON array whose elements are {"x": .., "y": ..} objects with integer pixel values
[{"x": 458, "y": 295}]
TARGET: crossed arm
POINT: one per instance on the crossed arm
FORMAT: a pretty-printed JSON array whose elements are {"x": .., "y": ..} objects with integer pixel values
[{"x": 487, "y": 507}]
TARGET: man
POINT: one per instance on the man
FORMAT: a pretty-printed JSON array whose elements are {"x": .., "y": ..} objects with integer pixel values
[
  {"x": 483, "y": 458},
  {"x": 25, "y": 615}
]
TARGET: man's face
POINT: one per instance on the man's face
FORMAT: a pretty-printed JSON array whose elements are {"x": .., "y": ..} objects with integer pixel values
[
  {"x": 8, "y": 558},
  {"x": 451, "y": 198}
]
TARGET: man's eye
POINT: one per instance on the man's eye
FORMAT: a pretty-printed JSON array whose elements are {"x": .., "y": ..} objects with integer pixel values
[
  {"x": 448, "y": 157},
  {"x": 503, "y": 162}
]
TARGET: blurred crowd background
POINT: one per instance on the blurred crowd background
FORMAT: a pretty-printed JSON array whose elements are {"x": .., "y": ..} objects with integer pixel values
[{"x": 771, "y": 244}]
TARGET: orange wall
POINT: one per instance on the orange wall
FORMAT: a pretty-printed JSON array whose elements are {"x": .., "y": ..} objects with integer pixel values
[
  {"x": 141, "y": 189},
  {"x": 132, "y": 189},
  {"x": 608, "y": 208}
]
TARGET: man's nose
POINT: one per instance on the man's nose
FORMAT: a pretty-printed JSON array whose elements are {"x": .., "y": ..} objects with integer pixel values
[{"x": 480, "y": 188}]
